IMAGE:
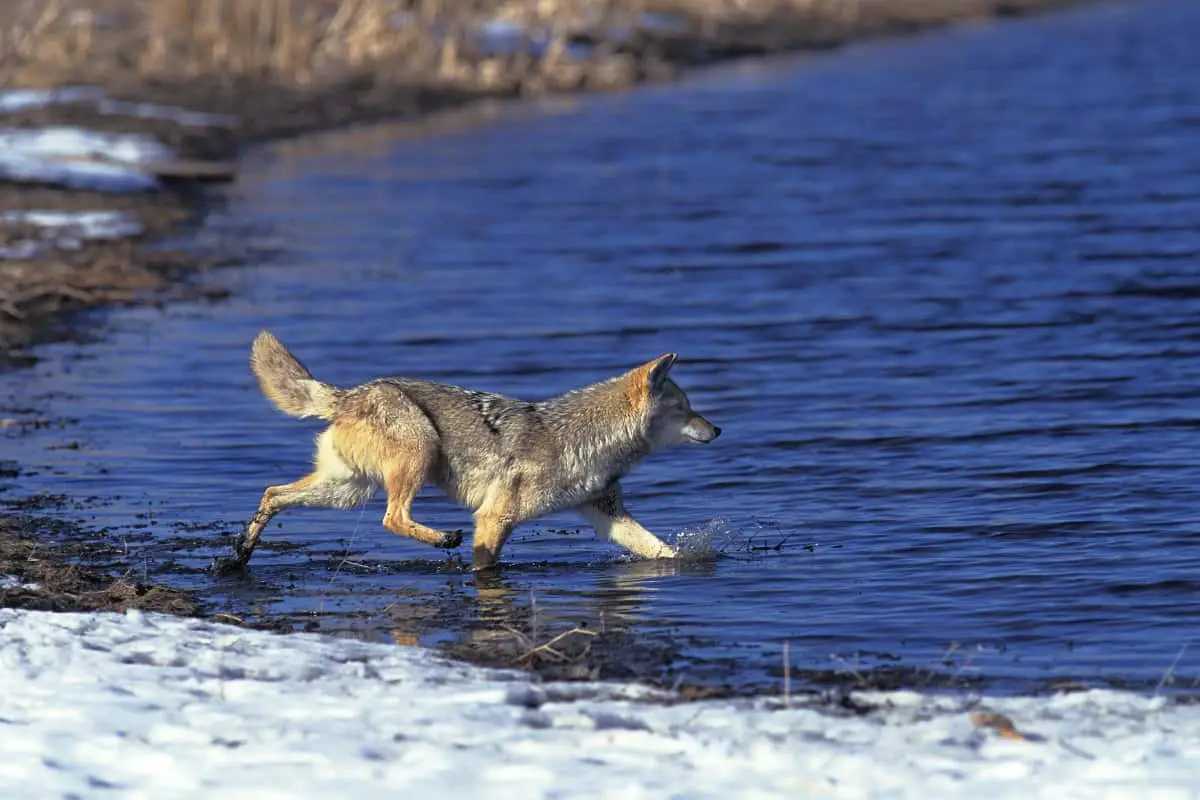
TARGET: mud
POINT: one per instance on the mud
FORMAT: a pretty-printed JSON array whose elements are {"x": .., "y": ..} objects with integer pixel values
[{"x": 50, "y": 577}]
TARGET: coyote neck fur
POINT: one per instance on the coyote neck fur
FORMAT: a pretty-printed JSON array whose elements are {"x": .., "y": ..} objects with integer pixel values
[{"x": 597, "y": 425}]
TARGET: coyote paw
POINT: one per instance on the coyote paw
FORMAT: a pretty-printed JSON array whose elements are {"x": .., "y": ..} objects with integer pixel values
[
  {"x": 221, "y": 567},
  {"x": 451, "y": 540}
]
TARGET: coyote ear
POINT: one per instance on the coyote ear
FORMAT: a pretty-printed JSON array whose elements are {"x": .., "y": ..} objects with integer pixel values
[{"x": 658, "y": 369}]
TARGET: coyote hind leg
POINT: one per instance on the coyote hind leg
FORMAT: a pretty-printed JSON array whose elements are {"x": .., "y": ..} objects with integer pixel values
[
  {"x": 407, "y": 473},
  {"x": 318, "y": 490},
  {"x": 274, "y": 500},
  {"x": 332, "y": 484}
]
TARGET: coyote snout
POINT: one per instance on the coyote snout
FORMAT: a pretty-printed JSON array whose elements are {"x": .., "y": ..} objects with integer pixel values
[
  {"x": 672, "y": 421},
  {"x": 507, "y": 460},
  {"x": 700, "y": 431}
]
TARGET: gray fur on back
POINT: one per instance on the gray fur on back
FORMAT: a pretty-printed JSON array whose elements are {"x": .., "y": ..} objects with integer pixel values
[{"x": 566, "y": 449}]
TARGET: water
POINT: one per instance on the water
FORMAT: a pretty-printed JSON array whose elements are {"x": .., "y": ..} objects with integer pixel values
[{"x": 941, "y": 295}]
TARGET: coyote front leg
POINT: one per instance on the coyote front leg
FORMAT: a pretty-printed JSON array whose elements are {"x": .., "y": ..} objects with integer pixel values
[{"x": 608, "y": 515}]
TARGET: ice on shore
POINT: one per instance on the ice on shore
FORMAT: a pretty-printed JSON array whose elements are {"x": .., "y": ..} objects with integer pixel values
[
  {"x": 155, "y": 706},
  {"x": 16, "y": 100},
  {"x": 65, "y": 230},
  {"x": 76, "y": 158},
  {"x": 83, "y": 224},
  {"x": 69, "y": 142},
  {"x": 13, "y": 582},
  {"x": 79, "y": 159}
]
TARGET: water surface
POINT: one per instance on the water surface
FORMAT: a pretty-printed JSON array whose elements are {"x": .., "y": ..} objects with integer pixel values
[{"x": 941, "y": 295}]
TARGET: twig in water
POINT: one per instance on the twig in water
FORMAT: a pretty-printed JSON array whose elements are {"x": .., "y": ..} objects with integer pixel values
[
  {"x": 857, "y": 675},
  {"x": 548, "y": 647},
  {"x": 777, "y": 547},
  {"x": 345, "y": 559},
  {"x": 787, "y": 675},
  {"x": 533, "y": 615},
  {"x": 1171, "y": 669}
]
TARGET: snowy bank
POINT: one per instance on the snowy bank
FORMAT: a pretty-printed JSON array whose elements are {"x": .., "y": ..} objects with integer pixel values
[
  {"x": 67, "y": 230},
  {"x": 17, "y": 100},
  {"x": 80, "y": 159},
  {"x": 156, "y": 706}
]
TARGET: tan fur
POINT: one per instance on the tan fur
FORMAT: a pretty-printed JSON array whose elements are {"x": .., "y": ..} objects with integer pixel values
[
  {"x": 640, "y": 381},
  {"x": 286, "y": 382},
  {"x": 508, "y": 460}
]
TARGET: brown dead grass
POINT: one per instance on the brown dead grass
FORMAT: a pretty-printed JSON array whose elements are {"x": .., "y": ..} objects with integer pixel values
[
  {"x": 306, "y": 43},
  {"x": 297, "y": 42}
]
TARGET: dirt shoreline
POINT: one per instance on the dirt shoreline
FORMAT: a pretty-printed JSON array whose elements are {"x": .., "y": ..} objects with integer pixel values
[{"x": 38, "y": 294}]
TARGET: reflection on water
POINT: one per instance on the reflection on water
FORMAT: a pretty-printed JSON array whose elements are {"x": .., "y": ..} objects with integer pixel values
[{"x": 940, "y": 294}]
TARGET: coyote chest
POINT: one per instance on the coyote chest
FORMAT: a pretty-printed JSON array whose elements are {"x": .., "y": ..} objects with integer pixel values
[{"x": 583, "y": 478}]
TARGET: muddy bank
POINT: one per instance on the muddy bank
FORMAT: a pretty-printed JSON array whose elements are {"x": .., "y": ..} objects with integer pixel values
[{"x": 37, "y": 573}]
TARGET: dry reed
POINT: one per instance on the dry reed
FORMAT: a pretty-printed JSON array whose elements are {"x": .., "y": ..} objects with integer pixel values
[{"x": 306, "y": 42}]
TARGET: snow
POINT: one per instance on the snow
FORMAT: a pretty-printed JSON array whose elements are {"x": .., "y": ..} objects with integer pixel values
[
  {"x": 66, "y": 230},
  {"x": 58, "y": 155},
  {"x": 154, "y": 706},
  {"x": 68, "y": 142},
  {"x": 85, "y": 224},
  {"x": 13, "y": 582},
  {"x": 505, "y": 36},
  {"x": 14, "y": 100}
]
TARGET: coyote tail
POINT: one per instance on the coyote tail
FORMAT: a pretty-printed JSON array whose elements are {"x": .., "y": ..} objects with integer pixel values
[{"x": 287, "y": 383}]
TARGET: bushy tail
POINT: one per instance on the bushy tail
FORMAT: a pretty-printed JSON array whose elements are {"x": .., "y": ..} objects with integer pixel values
[{"x": 286, "y": 382}]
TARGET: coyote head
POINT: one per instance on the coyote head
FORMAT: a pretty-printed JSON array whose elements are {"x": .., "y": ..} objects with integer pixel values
[{"x": 671, "y": 420}]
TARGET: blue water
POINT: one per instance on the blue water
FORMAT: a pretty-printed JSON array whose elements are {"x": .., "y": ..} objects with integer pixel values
[{"x": 941, "y": 294}]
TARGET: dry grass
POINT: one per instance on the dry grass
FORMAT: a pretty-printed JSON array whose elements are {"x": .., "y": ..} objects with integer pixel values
[
  {"x": 298, "y": 42},
  {"x": 290, "y": 38},
  {"x": 307, "y": 42}
]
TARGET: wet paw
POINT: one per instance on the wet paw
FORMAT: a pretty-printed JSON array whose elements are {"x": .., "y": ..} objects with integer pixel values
[
  {"x": 451, "y": 540},
  {"x": 222, "y": 567}
]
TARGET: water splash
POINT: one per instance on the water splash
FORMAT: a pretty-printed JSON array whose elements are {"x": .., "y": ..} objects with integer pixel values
[{"x": 707, "y": 541}]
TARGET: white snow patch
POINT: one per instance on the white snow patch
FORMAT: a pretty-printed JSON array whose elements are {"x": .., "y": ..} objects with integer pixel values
[
  {"x": 69, "y": 142},
  {"x": 66, "y": 230},
  {"x": 60, "y": 155},
  {"x": 13, "y": 582},
  {"x": 155, "y": 706},
  {"x": 14, "y": 100},
  {"x": 505, "y": 37},
  {"x": 85, "y": 224}
]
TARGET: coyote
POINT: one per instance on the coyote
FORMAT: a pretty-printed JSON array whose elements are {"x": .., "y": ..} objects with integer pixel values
[{"x": 507, "y": 460}]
